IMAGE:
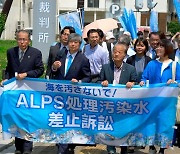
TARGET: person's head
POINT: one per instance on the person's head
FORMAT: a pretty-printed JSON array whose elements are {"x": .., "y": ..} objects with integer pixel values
[
  {"x": 168, "y": 35},
  {"x": 124, "y": 39},
  {"x": 119, "y": 52},
  {"x": 101, "y": 36},
  {"x": 141, "y": 46},
  {"x": 165, "y": 47},
  {"x": 154, "y": 39},
  {"x": 146, "y": 33},
  {"x": 23, "y": 39},
  {"x": 65, "y": 32},
  {"x": 74, "y": 42},
  {"x": 93, "y": 37},
  {"x": 110, "y": 37},
  {"x": 127, "y": 33},
  {"x": 140, "y": 35}
]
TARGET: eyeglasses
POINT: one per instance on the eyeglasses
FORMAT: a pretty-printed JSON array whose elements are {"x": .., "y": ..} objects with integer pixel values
[{"x": 22, "y": 40}]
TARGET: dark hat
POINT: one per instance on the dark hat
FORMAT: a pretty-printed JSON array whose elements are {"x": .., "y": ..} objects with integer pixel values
[{"x": 139, "y": 33}]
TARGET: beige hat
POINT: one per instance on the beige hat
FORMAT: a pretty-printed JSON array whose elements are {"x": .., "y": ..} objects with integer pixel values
[
  {"x": 168, "y": 33},
  {"x": 109, "y": 35},
  {"x": 127, "y": 33}
]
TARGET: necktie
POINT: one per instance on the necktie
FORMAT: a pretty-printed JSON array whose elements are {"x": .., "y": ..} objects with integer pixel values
[
  {"x": 63, "y": 49},
  {"x": 21, "y": 56},
  {"x": 153, "y": 54},
  {"x": 69, "y": 63}
]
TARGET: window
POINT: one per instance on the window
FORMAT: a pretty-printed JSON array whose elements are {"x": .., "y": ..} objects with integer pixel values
[
  {"x": 80, "y": 4},
  {"x": 93, "y": 3}
]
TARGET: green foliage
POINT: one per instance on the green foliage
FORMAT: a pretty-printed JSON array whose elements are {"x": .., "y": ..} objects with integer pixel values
[
  {"x": 2, "y": 22},
  {"x": 173, "y": 27},
  {"x": 4, "y": 45}
]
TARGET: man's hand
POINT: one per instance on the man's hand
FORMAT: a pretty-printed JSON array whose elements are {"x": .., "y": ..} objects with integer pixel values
[
  {"x": 104, "y": 83},
  {"x": 141, "y": 83},
  {"x": 21, "y": 76},
  {"x": 129, "y": 85},
  {"x": 170, "y": 81},
  {"x": 74, "y": 80},
  {"x": 1, "y": 84},
  {"x": 56, "y": 65}
]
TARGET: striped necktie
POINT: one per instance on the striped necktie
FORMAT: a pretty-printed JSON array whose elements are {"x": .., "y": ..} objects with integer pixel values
[
  {"x": 21, "y": 56},
  {"x": 153, "y": 54}
]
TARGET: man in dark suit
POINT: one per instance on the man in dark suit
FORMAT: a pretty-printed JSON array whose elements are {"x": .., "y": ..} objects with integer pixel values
[
  {"x": 118, "y": 72},
  {"x": 74, "y": 66},
  {"x": 60, "y": 47},
  {"x": 24, "y": 61},
  {"x": 154, "y": 39}
]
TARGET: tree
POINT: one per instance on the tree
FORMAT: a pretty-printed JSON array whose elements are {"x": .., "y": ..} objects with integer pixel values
[
  {"x": 173, "y": 27},
  {"x": 2, "y": 21},
  {"x": 5, "y": 12}
]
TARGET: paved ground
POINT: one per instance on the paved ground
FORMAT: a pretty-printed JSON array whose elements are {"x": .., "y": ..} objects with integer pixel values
[{"x": 41, "y": 148}]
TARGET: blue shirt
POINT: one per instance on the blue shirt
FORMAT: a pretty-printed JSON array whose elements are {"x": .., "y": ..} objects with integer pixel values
[
  {"x": 97, "y": 57},
  {"x": 139, "y": 65},
  {"x": 153, "y": 72},
  {"x": 151, "y": 53}
]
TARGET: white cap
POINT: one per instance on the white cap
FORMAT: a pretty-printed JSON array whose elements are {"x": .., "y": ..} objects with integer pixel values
[
  {"x": 127, "y": 33},
  {"x": 109, "y": 35}
]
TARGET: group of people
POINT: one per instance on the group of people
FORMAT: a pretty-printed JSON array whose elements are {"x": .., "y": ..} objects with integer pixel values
[{"x": 99, "y": 61}]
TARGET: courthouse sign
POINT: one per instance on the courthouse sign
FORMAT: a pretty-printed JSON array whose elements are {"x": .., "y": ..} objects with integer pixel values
[{"x": 44, "y": 25}]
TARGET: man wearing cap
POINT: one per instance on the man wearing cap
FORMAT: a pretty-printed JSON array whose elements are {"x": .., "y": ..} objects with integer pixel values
[
  {"x": 140, "y": 35},
  {"x": 168, "y": 35},
  {"x": 110, "y": 37},
  {"x": 146, "y": 33}
]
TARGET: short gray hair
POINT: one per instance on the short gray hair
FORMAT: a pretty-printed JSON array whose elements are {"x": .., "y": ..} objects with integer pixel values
[
  {"x": 119, "y": 43},
  {"x": 75, "y": 37},
  {"x": 23, "y": 31},
  {"x": 124, "y": 39}
]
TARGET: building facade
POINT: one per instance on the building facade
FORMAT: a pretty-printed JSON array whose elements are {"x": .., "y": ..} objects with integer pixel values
[{"x": 20, "y": 15}]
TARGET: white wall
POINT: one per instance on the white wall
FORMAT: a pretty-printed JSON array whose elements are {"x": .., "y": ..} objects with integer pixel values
[
  {"x": 67, "y": 4},
  {"x": 160, "y": 7},
  {"x": 26, "y": 15},
  {"x": 16, "y": 14}
]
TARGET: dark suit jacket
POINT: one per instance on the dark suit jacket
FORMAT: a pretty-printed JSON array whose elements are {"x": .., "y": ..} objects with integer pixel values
[
  {"x": 52, "y": 56},
  {"x": 79, "y": 69},
  {"x": 131, "y": 60},
  {"x": 128, "y": 73},
  {"x": 53, "y": 52},
  {"x": 31, "y": 64},
  {"x": 172, "y": 55}
]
